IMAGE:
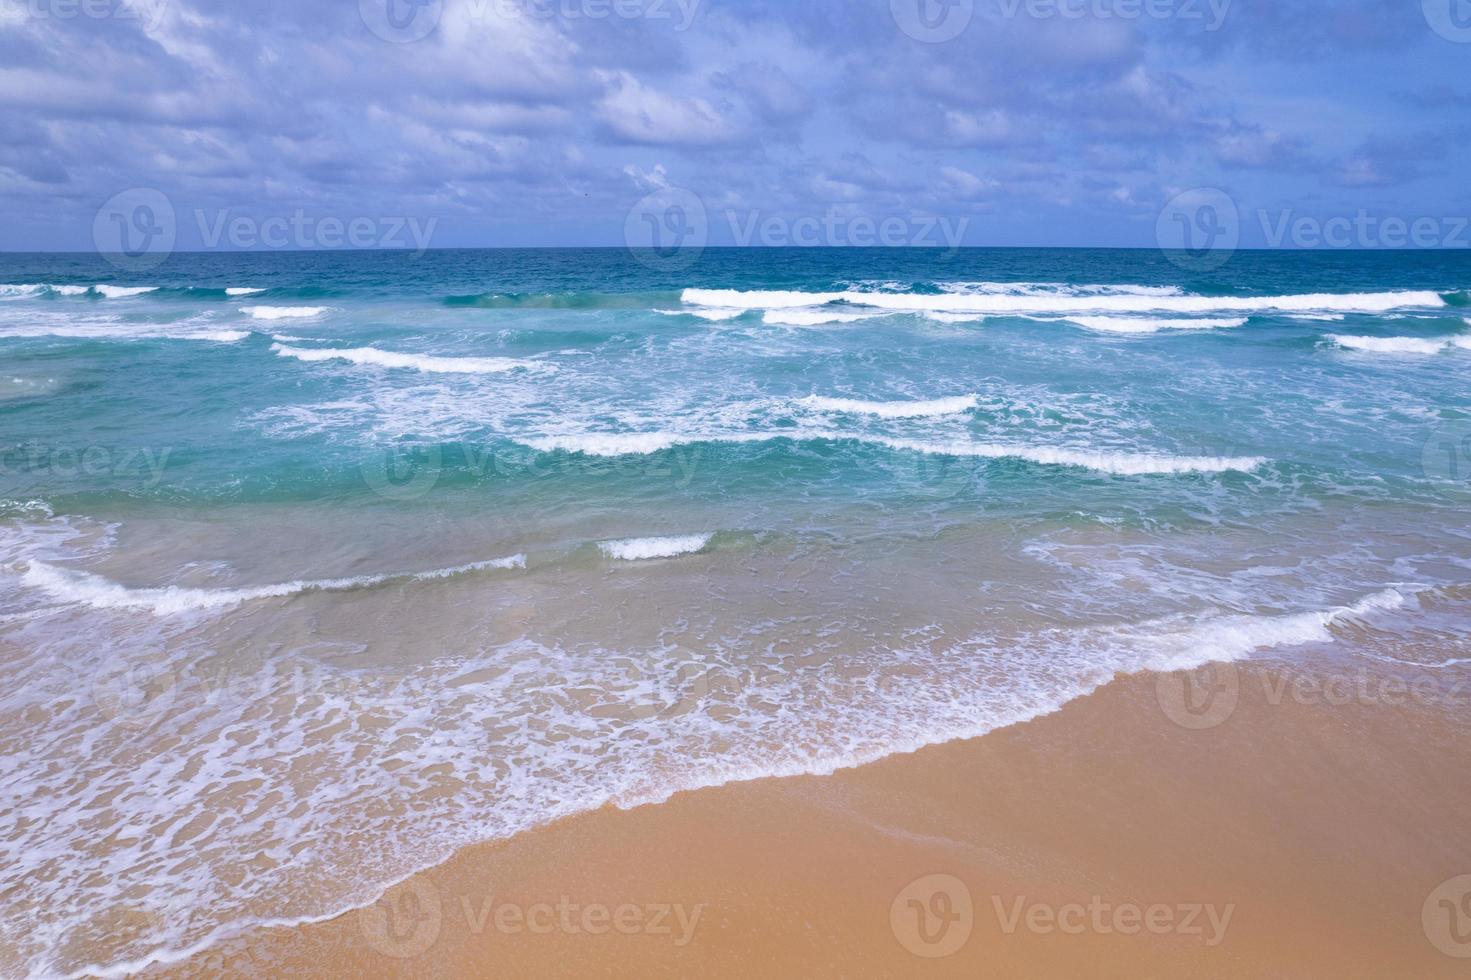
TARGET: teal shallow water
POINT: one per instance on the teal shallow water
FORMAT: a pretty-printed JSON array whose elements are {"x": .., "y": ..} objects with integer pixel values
[{"x": 481, "y": 538}]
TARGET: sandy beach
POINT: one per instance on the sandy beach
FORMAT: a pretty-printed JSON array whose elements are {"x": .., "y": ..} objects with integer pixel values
[{"x": 1295, "y": 823}]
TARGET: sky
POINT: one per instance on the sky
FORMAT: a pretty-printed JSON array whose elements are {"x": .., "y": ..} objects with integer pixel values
[{"x": 454, "y": 123}]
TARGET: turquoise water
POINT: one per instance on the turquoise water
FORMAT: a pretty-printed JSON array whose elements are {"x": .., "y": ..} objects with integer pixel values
[{"x": 323, "y": 565}]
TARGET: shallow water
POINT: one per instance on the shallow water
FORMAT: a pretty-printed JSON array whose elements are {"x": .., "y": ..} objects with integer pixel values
[{"x": 301, "y": 588}]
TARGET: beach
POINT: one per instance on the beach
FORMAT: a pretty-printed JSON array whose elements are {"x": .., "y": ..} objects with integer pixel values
[
  {"x": 794, "y": 613},
  {"x": 1302, "y": 835}
]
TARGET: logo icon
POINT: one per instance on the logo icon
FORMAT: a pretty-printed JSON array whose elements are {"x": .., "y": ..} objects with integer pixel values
[
  {"x": 1447, "y": 454},
  {"x": 667, "y": 230},
  {"x": 933, "y": 21},
  {"x": 1451, "y": 19},
  {"x": 406, "y": 921},
  {"x": 136, "y": 229},
  {"x": 1199, "y": 229},
  {"x": 404, "y": 473},
  {"x": 1199, "y": 699},
  {"x": 135, "y": 693},
  {"x": 933, "y": 916},
  {"x": 1446, "y": 917},
  {"x": 401, "y": 21}
]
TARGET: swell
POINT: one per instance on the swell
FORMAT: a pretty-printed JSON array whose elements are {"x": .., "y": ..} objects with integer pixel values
[
  {"x": 1066, "y": 303},
  {"x": 562, "y": 301},
  {"x": 85, "y": 588},
  {"x": 1103, "y": 461}
]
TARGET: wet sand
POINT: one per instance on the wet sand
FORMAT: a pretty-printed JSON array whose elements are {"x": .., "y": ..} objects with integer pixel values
[{"x": 1297, "y": 828}]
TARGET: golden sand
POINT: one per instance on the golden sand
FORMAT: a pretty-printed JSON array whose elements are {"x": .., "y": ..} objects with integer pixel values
[{"x": 1294, "y": 827}]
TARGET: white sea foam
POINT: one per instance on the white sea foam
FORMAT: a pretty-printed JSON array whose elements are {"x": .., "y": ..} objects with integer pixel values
[
  {"x": 640, "y": 549},
  {"x": 72, "y": 585},
  {"x": 715, "y": 315},
  {"x": 70, "y": 290},
  {"x": 20, "y": 290},
  {"x": 811, "y": 318},
  {"x": 107, "y": 328},
  {"x": 892, "y": 410},
  {"x": 1326, "y": 317},
  {"x": 954, "y": 317},
  {"x": 1140, "y": 324},
  {"x": 283, "y": 312},
  {"x": 372, "y": 357},
  {"x": 1064, "y": 303},
  {"x": 1056, "y": 289},
  {"x": 1391, "y": 345},
  {"x": 242, "y": 291},
  {"x": 1117, "y": 463},
  {"x": 123, "y": 292}
]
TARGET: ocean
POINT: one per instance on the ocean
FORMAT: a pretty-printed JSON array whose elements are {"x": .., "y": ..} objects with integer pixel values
[{"x": 316, "y": 567}]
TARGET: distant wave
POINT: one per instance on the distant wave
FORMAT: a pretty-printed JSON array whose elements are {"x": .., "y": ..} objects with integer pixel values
[
  {"x": 715, "y": 315},
  {"x": 1116, "y": 463},
  {"x": 1133, "y": 324},
  {"x": 891, "y": 410},
  {"x": 640, "y": 549},
  {"x": 811, "y": 318},
  {"x": 1065, "y": 303},
  {"x": 1399, "y": 345},
  {"x": 23, "y": 290},
  {"x": 119, "y": 331},
  {"x": 283, "y": 312},
  {"x": 371, "y": 356},
  {"x": 71, "y": 585},
  {"x": 242, "y": 291},
  {"x": 563, "y": 301}
]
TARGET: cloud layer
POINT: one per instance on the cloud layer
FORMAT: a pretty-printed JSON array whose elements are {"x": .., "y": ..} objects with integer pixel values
[{"x": 511, "y": 122}]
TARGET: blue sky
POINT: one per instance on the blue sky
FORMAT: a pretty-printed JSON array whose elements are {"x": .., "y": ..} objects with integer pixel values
[{"x": 546, "y": 122}]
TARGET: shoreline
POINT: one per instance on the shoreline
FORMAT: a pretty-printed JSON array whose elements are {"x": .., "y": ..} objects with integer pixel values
[{"x": 1117, "y": 835}]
